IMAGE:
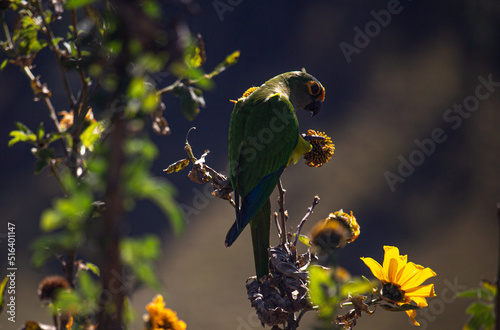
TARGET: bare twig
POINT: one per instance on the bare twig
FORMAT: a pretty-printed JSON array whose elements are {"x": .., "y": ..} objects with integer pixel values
[
  {"x": 282, "y": 218},
  {"x": 6, "y": 31},
  {"x": 309, "y": 212},
  {"x": 58, "y": 178},
  {"x": 53, "y": 45}
]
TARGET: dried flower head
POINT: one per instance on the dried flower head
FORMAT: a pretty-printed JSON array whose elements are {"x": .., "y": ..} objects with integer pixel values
[
  {"x": 68, "y": 118},
  {"x": 401, "y": 280},
  {"x": 281, "y": 293},
  {"x": 161, "y": 318},
  {"x": 335, "y": 231},
  {"x": 50, "y": 285},
  {"x": 322, "y": 149},
  {"x": 349, "y": 221}
]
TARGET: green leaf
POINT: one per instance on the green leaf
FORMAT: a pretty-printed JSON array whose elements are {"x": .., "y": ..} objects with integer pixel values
[
  {"x": 93, "y": 268},
  {"x": 90, "y": 290},
  {"x": 355, "y": 287},
  {"x": 92, "y": 134},
  {"x": 177, "y": 166},
  {"x": 44, "y": 156},
  {"x": 75, "y": 4},
  {"x": 20, "y": 136},
  {"x": 51, "y": 220},
  {"x": 230, "y": 60},
  {"x": 40, "y": 132},
  {"x": 481, "y": 315},
  {"x": 191, "y": 101},
  {"x": 323, "y": 292},
  {"x": 4, "y": 64},
  {"x": 2, "y": 292},
  {"x": 305, "y": 240},
  {"x": 139, "y": 254},
  {"x": 67, "y": 301},
  {"x": 161, "y": 193}
]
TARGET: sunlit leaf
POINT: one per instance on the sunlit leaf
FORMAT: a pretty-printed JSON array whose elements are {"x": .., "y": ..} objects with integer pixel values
[
  {"x": 305, "y": 240},
  {"x": 92, "y": 134},
  {"x": 355, "y": 287},
  {"x": 4, "y": 64},
  {"x": 88, "y": 287},
  {"x": 20, "y": 136},
  {"x": 177, "y": 166},
  {"x": 230, "y": 60},
  {"x": 75, "y": 4},
  {"x": 93, "y": 268},
  {"x": 322, "y": 290},
  {"x": 51, "y": 220}
]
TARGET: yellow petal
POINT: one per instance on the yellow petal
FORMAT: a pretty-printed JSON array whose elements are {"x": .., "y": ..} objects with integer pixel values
[
  {"x": 375, "y": 267},
  {"x": 418, "y": 277},
  {"x": 393, "y": 270},
  {"x": 421, "y": 291},
  {"x": 420, "y": 301},
  {"x": 391, "y": 252},
  {"x": 412, "y": 314},
  {"x": 407, "y": 272}
]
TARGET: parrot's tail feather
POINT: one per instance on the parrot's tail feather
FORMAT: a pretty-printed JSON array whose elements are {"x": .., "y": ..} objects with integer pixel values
[{"x": 232, "y": 234}]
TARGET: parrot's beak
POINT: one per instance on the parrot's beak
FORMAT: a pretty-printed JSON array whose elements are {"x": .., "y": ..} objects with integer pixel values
[{"x": 313, "y": 107}]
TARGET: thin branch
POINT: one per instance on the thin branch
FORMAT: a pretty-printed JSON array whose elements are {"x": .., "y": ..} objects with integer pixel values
[
  {"x": 309, "y": 212},
  {"x": 57, "y": 52},
  {"x": 58, "y": 178},
  {"x": 84, "y": 94},
  {"x": 6, "y": 31},
  {"x": 282, "y": 218},
  {"x": 45, "y": 98}
]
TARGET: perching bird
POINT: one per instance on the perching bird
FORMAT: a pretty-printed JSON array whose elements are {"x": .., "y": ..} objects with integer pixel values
[{"x": 264, "y": 139}]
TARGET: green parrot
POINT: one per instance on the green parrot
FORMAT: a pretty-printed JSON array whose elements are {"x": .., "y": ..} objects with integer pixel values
[{"x": 264, "y": 139}]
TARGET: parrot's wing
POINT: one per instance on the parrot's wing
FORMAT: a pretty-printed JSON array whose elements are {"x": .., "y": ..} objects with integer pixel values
[{"x": 267, "y": 132}]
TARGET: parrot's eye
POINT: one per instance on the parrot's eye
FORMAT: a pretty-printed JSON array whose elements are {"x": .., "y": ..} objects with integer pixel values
[{"x": 314, "y": 88}]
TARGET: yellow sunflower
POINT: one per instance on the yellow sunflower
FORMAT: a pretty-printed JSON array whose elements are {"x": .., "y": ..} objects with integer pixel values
[
  {"x": 161, "y": 318},
  {"x": 401, "y": 280}
]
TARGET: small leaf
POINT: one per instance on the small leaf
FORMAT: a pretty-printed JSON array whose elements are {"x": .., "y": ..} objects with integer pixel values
[
  {"x": 304, "y": 240},
  {"x": 20, "y": 136},
  {"x": 481, "y": 315},
  {"x": 4, "y": 64},
  {"x": 177, "y": 166},
  {"x": 39, "y": 166},
  {"x": 93, "y": 268},
  {"x": 51, "y": 220},
  {"x": 92, "y": 134},
  {"x": 355, "y": 287},
  {"x": 40, "y": 132},
  {"x": 191, "y": 101},
  {"x": 230, "y": 60},
  {"x": 75, "y": 4}
]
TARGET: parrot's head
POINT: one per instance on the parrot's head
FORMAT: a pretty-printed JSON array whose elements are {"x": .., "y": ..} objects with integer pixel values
[{"x": 306, "y": 92}]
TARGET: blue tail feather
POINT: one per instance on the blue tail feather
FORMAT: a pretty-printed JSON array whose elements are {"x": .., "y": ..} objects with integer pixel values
[{"x": 251, "y": 204}]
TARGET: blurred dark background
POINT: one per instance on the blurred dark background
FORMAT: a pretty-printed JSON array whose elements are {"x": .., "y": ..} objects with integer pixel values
[{"x": 398, "y": 86}]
